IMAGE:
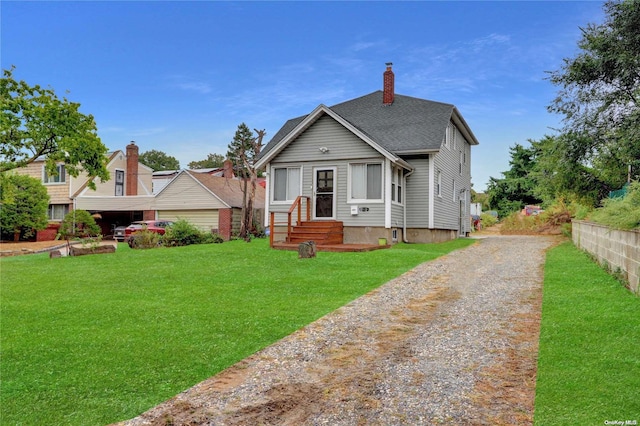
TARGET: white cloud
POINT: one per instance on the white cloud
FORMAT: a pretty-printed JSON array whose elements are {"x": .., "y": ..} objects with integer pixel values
[{"x": 189, "y": 84}]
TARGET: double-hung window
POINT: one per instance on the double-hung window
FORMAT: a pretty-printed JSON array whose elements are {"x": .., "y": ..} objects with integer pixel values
[
  {"x": 119, "y": 183},
  {"x": 396, "y": 185},
  {"x": 57, "y": 212},
  {"x": 366, "y": 181},
  {"x": 286, "y": 183},
  {"x": 60, "y": 177}
]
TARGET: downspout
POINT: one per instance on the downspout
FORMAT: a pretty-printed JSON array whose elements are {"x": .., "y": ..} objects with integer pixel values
[
  {"x": 267, "y": 197},
  {"x": 404, "y": 211}
]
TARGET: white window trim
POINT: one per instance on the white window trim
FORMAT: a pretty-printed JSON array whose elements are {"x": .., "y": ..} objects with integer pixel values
[
  {"x": 334, "y": 206},
  {"x": 45, "y": 181},
  {"x": 65, "y": 208},
  {"x": 272, "y": 181},
  {"x": 455, "y": 137},
  {"x": 455, "y": 190},
  {"x": 121, "y": 184},
  {"x": 438, "y": 182},
  {"x": 365, "y": 200},
  {"x": 397, "y": 173}
]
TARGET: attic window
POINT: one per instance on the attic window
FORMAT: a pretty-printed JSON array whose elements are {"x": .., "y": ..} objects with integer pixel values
[{"x": 450, "y": 135}]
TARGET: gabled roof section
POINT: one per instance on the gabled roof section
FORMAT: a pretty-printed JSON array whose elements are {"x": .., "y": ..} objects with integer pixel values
[
  {"x": 296, "y": 127},
  {"x": 409, "y": 125},
  {"x": 228, "y": 191},
  {"x": 111, "y": 156}
]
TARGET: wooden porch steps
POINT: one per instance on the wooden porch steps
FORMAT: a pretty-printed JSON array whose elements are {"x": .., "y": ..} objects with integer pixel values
[{"x": 325, "y": 232}]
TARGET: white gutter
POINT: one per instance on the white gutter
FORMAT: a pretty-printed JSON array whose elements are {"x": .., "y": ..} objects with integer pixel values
[
  {"x": 432, "y": 174},
  {"x": 267, "y": 197},
  {"x": 387, "y": 192},
  {"x": 404, "y": 211}
]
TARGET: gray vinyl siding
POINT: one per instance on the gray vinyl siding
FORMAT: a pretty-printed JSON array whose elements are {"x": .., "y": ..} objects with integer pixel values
[
  {"x": 446, "y": 208},
  {"x": 417, "y": 194},
  {"x": 344, "y": 147},
  {"x": 326, "y": 132},
  {"x": 397, "y": 215}
]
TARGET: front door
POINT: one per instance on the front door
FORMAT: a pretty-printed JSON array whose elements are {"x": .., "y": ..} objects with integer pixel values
[{"x": 324, "y": 196}]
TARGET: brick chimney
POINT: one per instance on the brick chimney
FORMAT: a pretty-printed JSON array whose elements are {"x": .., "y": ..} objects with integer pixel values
[
  {"x": 388, "y": 90},
  {"x": 132, "y": 169},
  {"x": 227, "y": 169}
]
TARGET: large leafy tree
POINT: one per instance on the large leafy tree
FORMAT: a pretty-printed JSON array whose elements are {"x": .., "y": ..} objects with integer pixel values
[
  {"x": 159, "y": 160},
  {"x": 34, "y": 122},
  {"x": 599, "y": 90},
  {"x": 517, "y": 187},
  {"x": 242, "y": 151},
  {"x": 211, "y": 162},
  {"x": 23, "y": 205},
  {"x": 558, "y": 175}
]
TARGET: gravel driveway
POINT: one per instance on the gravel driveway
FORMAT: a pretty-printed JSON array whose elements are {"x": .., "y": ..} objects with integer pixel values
[{"x": 453, "y": 340}]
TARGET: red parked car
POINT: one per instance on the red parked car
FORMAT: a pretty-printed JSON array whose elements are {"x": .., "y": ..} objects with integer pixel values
[{"x": 157, "y": 226}]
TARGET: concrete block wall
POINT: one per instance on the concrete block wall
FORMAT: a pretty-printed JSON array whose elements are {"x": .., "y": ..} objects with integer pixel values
[{"x": 613, "y": 247}]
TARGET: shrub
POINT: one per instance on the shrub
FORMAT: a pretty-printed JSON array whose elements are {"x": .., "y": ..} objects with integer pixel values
[
  {"x": 183, "y": 233},
  {"x": 145, "y": 239},
  {"x": 488, "y": 220},
  {"x": 78, "y": 224},
  {"x": 516, "y": 223},
  {"x": 211, "y": 238},
  {"x": 620, "y": 213}
]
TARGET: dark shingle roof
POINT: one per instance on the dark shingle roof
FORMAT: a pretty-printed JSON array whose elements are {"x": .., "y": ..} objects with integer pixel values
[{"x": 408, "y": 125}]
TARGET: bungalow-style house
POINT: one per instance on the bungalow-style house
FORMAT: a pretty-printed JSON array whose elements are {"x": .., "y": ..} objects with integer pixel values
[
  {"x": 212, "y": 203},
  {"x": 381, "y": 166}
]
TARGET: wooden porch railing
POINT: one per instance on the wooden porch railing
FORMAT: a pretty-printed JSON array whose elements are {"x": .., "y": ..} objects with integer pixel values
[{"x": 296, "y": 206}]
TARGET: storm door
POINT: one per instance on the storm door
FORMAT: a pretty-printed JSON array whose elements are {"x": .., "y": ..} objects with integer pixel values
[{"x": 324, "y": 195}]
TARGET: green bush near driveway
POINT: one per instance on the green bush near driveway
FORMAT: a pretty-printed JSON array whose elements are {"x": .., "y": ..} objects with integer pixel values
[
  {"x": 589, "y": 353},
  {"x": 97, "y": 339}
]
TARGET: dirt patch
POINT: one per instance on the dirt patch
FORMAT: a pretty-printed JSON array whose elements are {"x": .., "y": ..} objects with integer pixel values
[
  {"x": 15, "y": 249},
  {"x": 509, "y": 388}
]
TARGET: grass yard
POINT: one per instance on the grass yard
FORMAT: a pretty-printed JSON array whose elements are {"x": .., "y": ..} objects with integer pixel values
[
  {"x": 96, "y": 339},
  {"x": 589, "y": 356}
]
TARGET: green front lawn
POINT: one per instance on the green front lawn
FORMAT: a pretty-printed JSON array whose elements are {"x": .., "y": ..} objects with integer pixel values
[
  {"x": 96, "y": 339},
  {"x": 589, "y": 356}
]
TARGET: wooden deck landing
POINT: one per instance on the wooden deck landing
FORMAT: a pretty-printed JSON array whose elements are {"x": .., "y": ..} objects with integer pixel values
[{"x": 333, "y": 247}]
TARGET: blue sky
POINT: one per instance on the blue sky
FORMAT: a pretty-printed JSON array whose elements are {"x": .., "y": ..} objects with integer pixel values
[{"x": 180, "y": 76}]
